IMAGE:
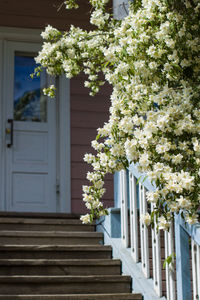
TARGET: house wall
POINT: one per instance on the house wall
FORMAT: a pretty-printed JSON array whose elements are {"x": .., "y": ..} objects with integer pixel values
[{"x": 87, "y": 113}]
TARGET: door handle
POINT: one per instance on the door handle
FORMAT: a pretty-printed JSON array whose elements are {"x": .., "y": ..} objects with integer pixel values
[{"x": 10, "y": 131}]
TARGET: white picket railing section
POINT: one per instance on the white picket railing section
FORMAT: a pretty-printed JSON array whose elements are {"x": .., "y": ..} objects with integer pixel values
[
  {"x": 151, "y": 248},
  {"x": 133, "y": 205},
  {"x": 187, "y": 247}
]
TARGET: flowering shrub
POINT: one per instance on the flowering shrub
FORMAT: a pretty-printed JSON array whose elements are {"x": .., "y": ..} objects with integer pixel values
[{"x": 151, "y": 58}]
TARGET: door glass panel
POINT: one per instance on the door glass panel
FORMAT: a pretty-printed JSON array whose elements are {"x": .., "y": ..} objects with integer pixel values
[{"x": 29, "y": 102}]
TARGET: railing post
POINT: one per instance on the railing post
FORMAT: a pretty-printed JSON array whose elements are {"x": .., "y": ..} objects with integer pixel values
[
  {"x": 133, "y": 217},
  {"x": 196, "y": 270},
  {"x": 124, "y": 207},
  {"x": 182, "y": 262},
  {"x": 156, "y": 257},
  {"x": 144, "y": 236},
  {"x": 170, "y": 275}
]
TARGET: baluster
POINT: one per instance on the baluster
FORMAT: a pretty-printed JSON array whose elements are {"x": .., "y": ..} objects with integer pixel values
[
  {"x": 144, "y": 233},
  {"x": 124, "y": 208},
  {"x": 169, "y": 269},
  {"x": 156, "y": 257},
  {"x": 196, "y": 270},
  {"x": 133, "y": 217}
]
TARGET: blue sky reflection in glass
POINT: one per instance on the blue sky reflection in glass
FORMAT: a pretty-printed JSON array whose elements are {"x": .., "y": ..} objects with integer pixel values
[{"x": 29, "y": 101}]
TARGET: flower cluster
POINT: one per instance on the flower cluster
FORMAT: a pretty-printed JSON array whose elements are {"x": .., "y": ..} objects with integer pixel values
[{"x": 151, "y": 58}]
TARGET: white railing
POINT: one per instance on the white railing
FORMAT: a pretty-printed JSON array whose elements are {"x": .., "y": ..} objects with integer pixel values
[
  {"x": 187, "y": 248},
  {"x": 147, "y": 245},
  {"x": 150, "y": 248}
]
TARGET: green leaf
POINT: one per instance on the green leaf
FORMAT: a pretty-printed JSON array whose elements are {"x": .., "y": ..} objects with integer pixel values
[
  {"x": 168, "y": 261},
  {"x": 138, "y": 180},
  {"x": 98, "y": 136},
  {"x": 144, "y": 178}
]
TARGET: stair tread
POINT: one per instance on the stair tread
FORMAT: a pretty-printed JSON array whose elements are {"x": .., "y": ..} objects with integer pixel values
[
  {"x": 41, "y": 221},
  {"x": 86, "y": 262},
  {"x": 64, "y": 278},
  {"x": 113, "y": 296},
  {"x": 39, "y": 215},
  {"x": 55, "y": 247},
  {"x": 81, "y": 234}
]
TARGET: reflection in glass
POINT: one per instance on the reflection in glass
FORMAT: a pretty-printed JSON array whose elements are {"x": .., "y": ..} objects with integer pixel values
[{"x": 29, "y": 102}]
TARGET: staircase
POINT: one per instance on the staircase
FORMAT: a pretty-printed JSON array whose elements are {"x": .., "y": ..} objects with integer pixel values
[{"x": 54, "y": 257}]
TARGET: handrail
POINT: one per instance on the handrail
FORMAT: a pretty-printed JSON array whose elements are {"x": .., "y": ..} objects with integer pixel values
[{"x": 141, "y": 177}]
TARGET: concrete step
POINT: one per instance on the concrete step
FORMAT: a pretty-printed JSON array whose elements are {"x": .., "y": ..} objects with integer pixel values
[
  {"x": 6, "y": 214},
  {"x": 121, "y": 296},
  {"x": 43, "y": 224},
  {"x": 56, "y": 257},
  {"x": 60, "y": 267},
  {"x": 98, "y": 284},
  {"x": 50, "y": 238},
  {"x": 55, "y": 252}
]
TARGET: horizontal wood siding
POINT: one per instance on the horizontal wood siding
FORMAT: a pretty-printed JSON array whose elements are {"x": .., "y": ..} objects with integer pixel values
[
  {"x": 87, "y": 113},
  {"x": 39, "y": 13}
]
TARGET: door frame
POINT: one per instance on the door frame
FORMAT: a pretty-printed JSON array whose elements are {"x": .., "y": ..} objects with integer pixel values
[{"x": 63, "y": 172}]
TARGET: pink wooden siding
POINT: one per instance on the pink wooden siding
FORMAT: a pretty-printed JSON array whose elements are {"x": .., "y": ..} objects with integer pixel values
[
  {"x": 87, "y": 113},
  {"x": 38, "y": 13}
]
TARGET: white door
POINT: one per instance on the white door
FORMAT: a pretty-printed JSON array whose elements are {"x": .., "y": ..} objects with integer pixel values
[{"x": 30, "y": 142}]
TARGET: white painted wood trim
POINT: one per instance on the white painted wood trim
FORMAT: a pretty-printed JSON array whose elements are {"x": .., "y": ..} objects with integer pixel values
[
  {"x": 156, "y": 256},
  {"x": 144, "y": 236},
  {"x": 64, "y": 144},
  {"x": 170, "y": 272},
  {"x": 195, "y": 270},
  {"x": 124, "y": 207},
  {"x": 2, "y": 133},
  {"x": 133, "y": 218},
  {"x": 20, "y": 34}
]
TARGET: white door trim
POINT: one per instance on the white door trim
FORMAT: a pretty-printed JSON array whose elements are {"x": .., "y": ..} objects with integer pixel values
[{"x": 63, "y": 124}]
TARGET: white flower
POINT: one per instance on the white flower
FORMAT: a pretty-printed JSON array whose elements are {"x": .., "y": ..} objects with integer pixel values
[
  {"x": 154, "y": 114},
  {"x": 85, "y": 219},
  {"x": 191, "y": 219},
  {"x": 146, "y": 219},
  {"x": 86, "y": 188},
  {"x": 98, "y": 18},
  {"x": 99, "y": 184},
  {"x": 183, "y": 202},
  {"x": 49, "y": 33},
  {"x": 163, "y": 223},
  {"x": 89, "y": 158},
  {"x": 152, "y": 197}
]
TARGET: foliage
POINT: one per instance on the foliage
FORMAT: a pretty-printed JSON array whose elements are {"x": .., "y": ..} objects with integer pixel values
[{"x": 151, "y": 58}]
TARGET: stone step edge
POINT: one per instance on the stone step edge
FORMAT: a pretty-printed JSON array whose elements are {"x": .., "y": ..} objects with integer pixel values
[
  {"x": 13, "y": 247},
  {"x": 40, "y": 215},
  {"x": 29, "y": 234},
  {"x": 66, "y": 278},
  {"x": 40, "y": 221},
  {"x": 75, "y": 297},
  {"x": 71, "y": 262}
]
